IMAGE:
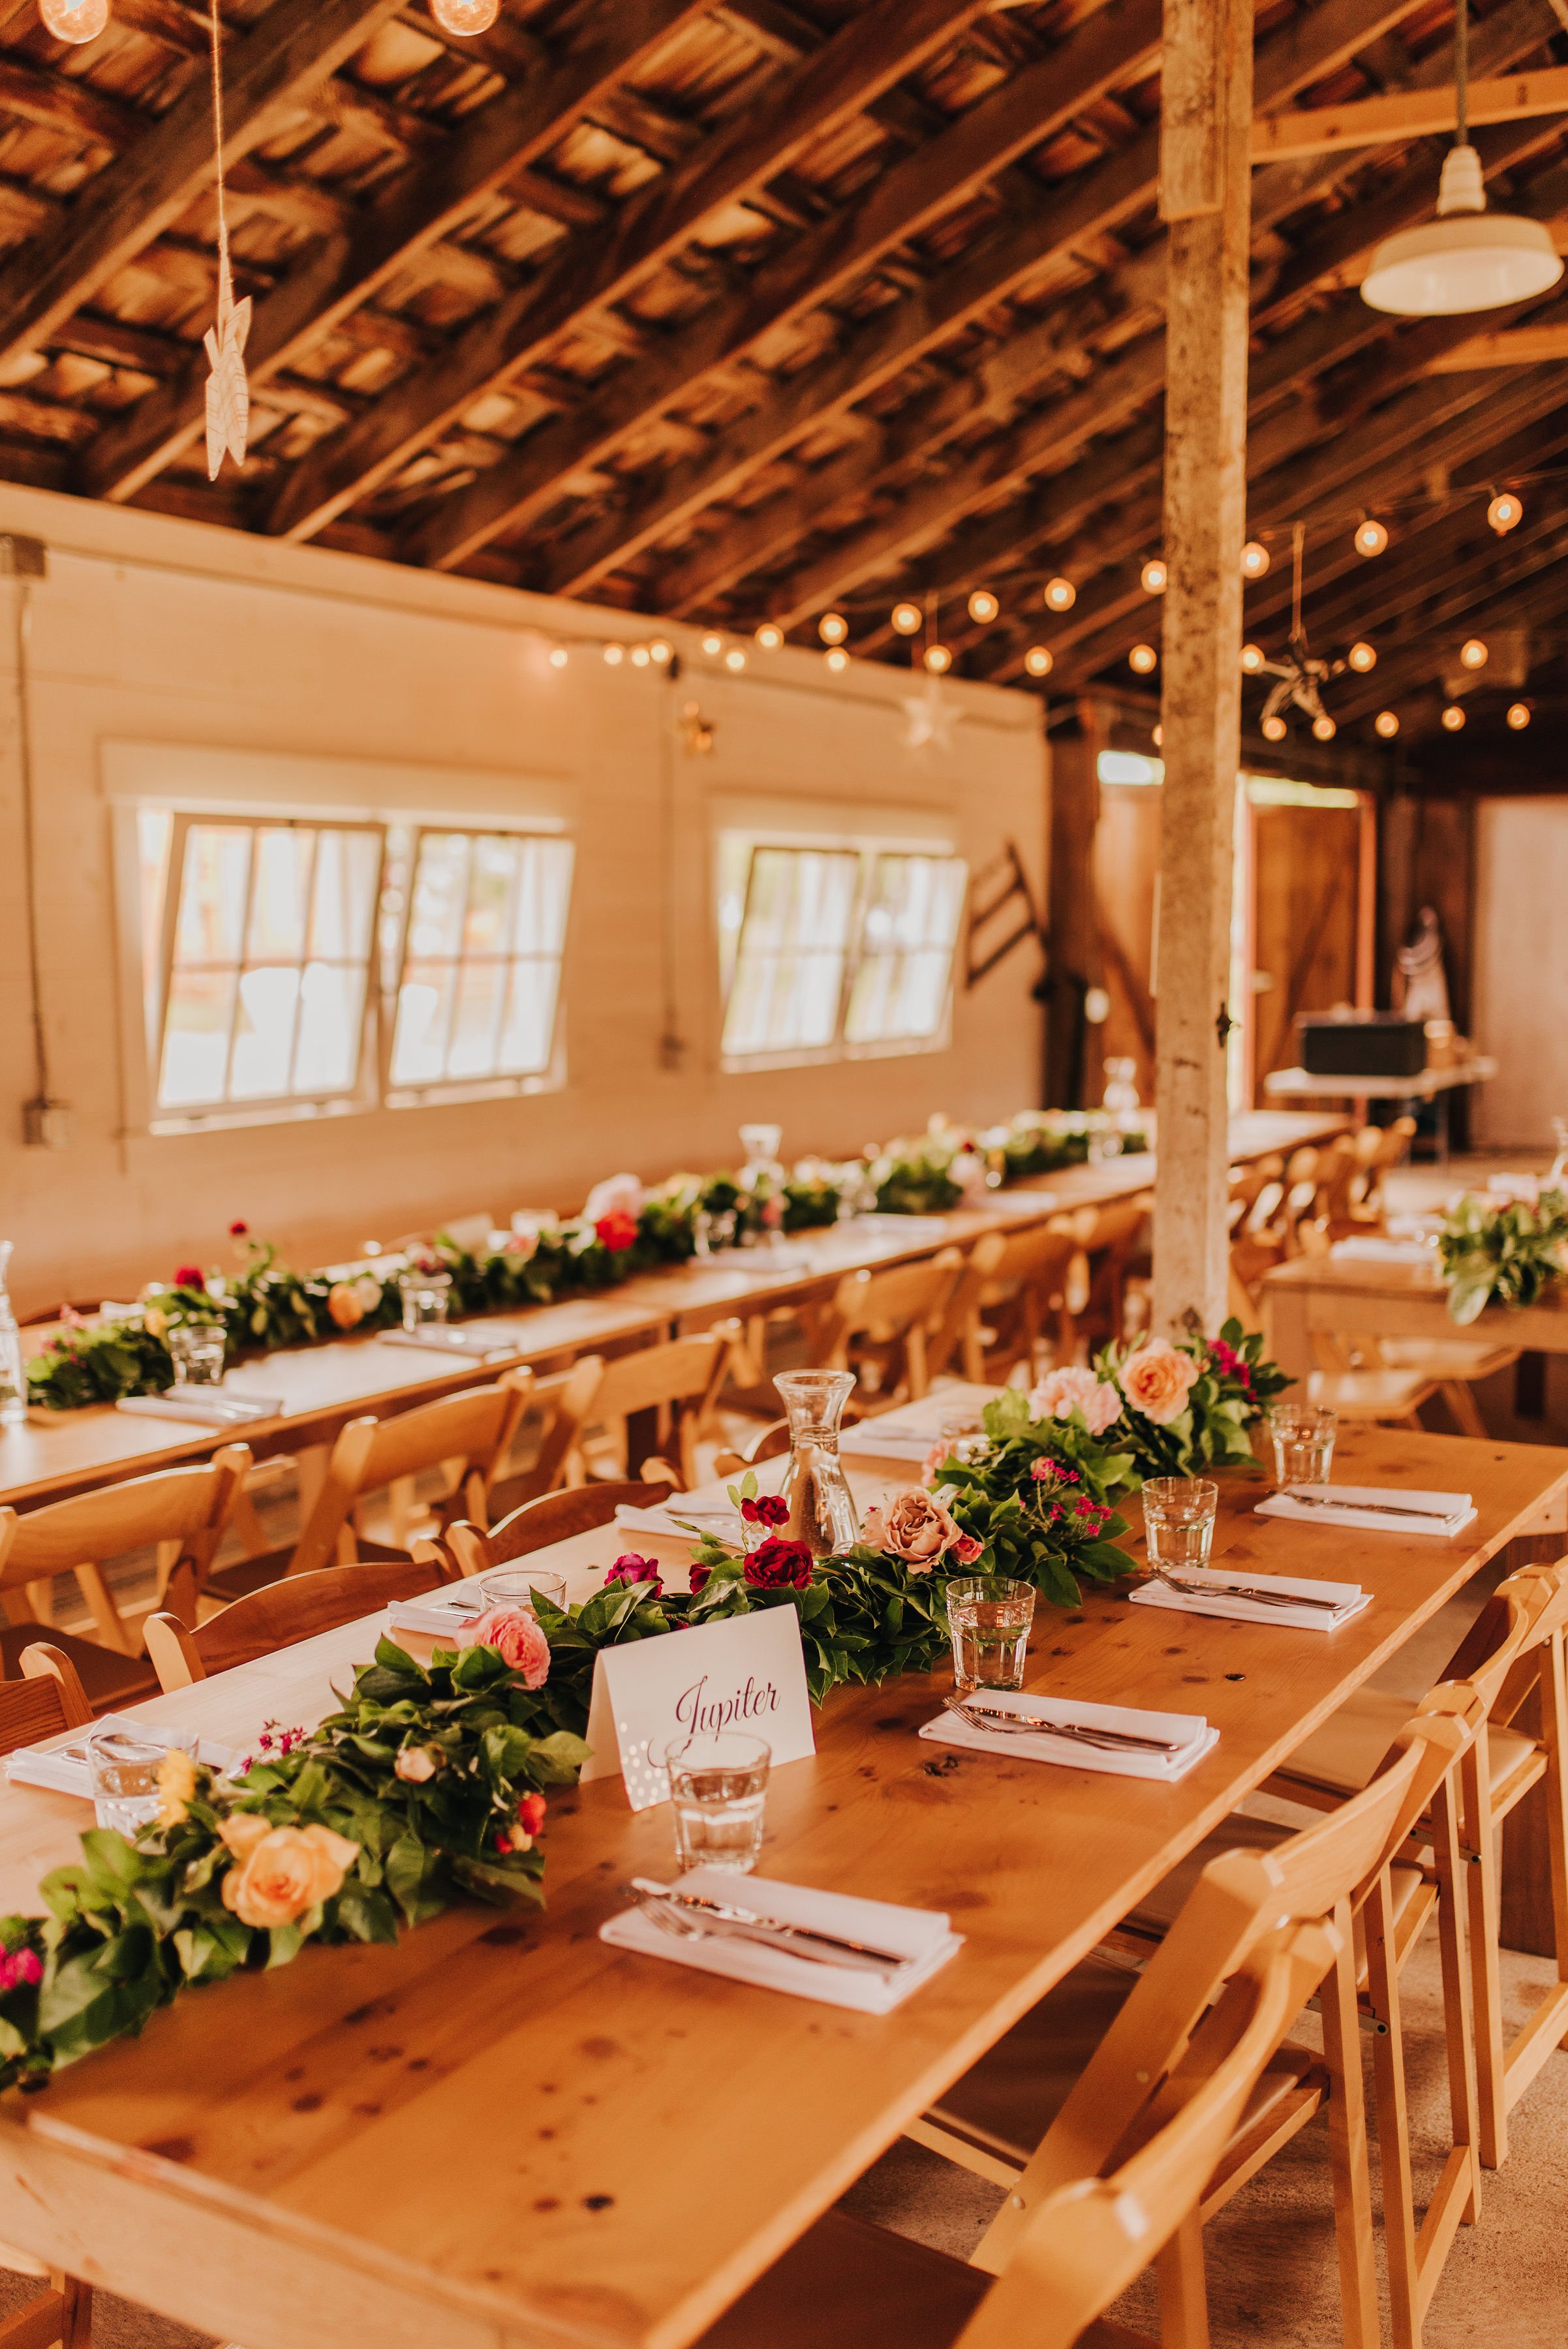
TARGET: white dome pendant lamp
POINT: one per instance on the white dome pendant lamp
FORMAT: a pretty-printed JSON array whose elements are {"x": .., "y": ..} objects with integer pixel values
[{"x": 1467, "y": 258}]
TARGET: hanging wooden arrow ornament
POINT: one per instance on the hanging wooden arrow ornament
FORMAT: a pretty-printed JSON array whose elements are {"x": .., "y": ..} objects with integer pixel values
[{"x": 228, "y": 387}]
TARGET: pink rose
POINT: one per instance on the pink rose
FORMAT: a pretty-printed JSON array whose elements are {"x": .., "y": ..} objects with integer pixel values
[
  {"x": 1061, "y": 1393},
  {"x": 966, "y": 1549},
  {"x": 1157, "y": 1379},
  {"x": 914, "y": 1527},
  {"x": 19, "y": 1969},
  {"x": 514, "y": 1632}
]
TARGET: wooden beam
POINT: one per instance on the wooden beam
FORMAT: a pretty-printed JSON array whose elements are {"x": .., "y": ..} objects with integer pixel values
[
  {"x": 1507, "y": 346},
  {"x": 1392, "y": 118},
  {"x": 891, "y": 38},
  {"x": 1205, "y": 184},
  {"x": 135, "y": 198},
  {"x": 503, "y": 138},
  {"x": 59, "y": 103}
]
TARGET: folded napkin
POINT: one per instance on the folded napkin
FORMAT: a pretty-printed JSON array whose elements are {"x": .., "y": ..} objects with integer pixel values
[
  {"x": 1373, "y": 1508},
  {"x": 61, "y": 1764},
  {"x": 1016, "y": 1203},
  {"x": 1375, "y": 1248},
  {"x": 204, "y": 1406},
  {"x": 1192, "y": 1736},
  {"x": 873, "y": 1439},
  {"x": 922, "y": 1935},
  {"x": 707, "y": 1517},
  {"x": 873, "y": 1224},
  {"x": 1220, "y": 1598},
  {"x": 487, "y": 1342},
  {"x": 440, "y": 1612},
  {"x": 908, "y": 1432}
]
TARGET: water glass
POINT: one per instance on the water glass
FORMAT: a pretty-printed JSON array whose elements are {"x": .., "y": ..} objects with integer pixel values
[
  {"x": 1179, "y": 1518},
  {"x": 988, "y": 1619},
  {"x": 718, "y": 1787},
  {"x": 514, "y": 1586},
  {"x": 196, "y": 1348},
  {"x": 124, "y": 1773},
  {"x": 1302, "y": 1439},
  {"x": 426, "y": 1297}
]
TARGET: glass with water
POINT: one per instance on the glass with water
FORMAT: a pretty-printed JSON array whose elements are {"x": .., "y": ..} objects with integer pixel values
[
  {"x": 1302, "y": 1436},
  {"x": 514, "y": 1586},
  {"x": 197, "y": 1348},
  {"x": 124, "y": 1774},
  {"x": 427, "y": 1298},
  {"x": 1179, "y": 1519},
  {"x": 988, "y": 1619},
  {"x": 717, "y": 1789}
]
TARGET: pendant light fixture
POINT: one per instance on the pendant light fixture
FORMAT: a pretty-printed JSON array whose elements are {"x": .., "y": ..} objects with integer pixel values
[
  {"x": 1467, "y": 258},
  {"x": 465, "y": 17},
  {"x": 74, "y": 20}
]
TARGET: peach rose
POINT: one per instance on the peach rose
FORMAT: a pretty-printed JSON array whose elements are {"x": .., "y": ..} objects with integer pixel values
[
  {"x": 176, "y": 1786},
  {"x": 416, "y": 1764},
  {"x": 1157, "y": 1379},
  {"x": 1061, "y": 1392},
  {"x": 281, "y": 1872},
  {"x": 343, "y": 1304},
  {"x": 516, "y": 1633},
  {"x": 918, "y": 1528}
]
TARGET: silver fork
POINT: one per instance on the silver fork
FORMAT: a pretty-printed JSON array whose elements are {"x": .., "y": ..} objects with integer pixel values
[
  {"x": 681, "y": 1927},
  {"x": 1028, "y": 1725},
  {"x": 1239, "y": 1590}
]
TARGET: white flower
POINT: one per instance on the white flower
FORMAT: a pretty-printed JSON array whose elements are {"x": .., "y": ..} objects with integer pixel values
[{"x": 617, "y": 1195}]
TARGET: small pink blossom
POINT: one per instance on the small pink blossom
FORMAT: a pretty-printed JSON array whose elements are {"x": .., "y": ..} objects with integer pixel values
[
  {"x": 1070, "y": 1389},
  {"x": 516, "y": 1637},
  {"x": 19, "y": 1967},
  {"x": 966, "y": 1549}
]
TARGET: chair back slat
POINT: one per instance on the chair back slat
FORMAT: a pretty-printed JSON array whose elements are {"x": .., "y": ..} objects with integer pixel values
[
  {"x": 189, "y": 1506},
  {"x": 681, "y": 1370},
  {"x": 553, "y": 1517},
  {"x": 564, "y": 1401},
  {"x": 472, "y": 1426},
  {"x": 281, "y": 1615},
  {"x": 1526, "y": 1610},
  {"x": 40, "y": 1704}
]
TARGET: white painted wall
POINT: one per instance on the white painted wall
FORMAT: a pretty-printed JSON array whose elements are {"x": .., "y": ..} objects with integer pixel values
[
  {"x": 151, "y": 630},
  {"x": 1521, "y": 986}
]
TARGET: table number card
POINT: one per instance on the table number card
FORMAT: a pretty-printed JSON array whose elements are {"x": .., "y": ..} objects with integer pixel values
[{"x": 745, "y": 1672}]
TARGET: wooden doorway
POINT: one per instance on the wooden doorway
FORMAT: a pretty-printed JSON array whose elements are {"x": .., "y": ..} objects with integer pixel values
[{"x": 1312, "y": 854}]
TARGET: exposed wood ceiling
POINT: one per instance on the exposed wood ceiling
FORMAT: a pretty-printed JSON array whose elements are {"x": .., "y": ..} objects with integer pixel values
[{"x": 748, "y": 310}]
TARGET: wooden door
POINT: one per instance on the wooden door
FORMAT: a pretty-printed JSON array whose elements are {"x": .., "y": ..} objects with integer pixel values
[{"x": 1311, "y": 892}]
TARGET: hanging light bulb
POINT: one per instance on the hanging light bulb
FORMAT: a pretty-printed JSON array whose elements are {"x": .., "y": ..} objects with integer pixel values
[
  {"x": 1453, "y": 718},
  {"x": 734, "y": 660},
  {"x": 1274, "y": 730},
  {"x": 712, "y": 644},
  {"x": 1467, "y": 258},
  {"x": 1143, "y": 660},
  {"x": 1253, "y": 658},
  {"x": 1362, "y": 657},
  {"x": 833, "y": 627},
  {"x": 1060, "y": 595},
  {"x": 837, "y": 658},
  {"x": 660, "y": 652},
  {"x": 1254, "y": 560},
  {"x": 558, "y": 656},
  {"x": 74, "y": 20},
  {"x": 614, "y": 656},
  {"x": 1156, "y": 578},
  {"x": 938, "y": 659},
  {"x": 1037, "y": 660},
  {"x": 1157, "y": 738},
  {"x": 1505, "y": 513},
  {"x": 1519, "y": 716},
  {"x": 465, "y": 17},
  {"x": 1370, "y": 538},
  {"x": 640, "y": 656},
  {"x": 1385, "y": 724},
  {"x": 907, "y": 618},
  {"x": 1473, "y": 654},
  {"x": 984, "y": 608},
  {"x": 770, "y": 636},
  {"x": 1323, "y": 727}
]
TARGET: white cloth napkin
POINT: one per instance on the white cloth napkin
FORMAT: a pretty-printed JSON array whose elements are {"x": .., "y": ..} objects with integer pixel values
[
  {"x": 922, "y": 1934},
  {"x": 1192, "y": 1734},
  {"x": 204, "y": 1406},
  {"x": 1367, "y": 1507},
  {"x": 1017, "y": 1203},
  {"x": 486, "y": 1341},
  {"x": 61, "y": 1764},
  {"x": 1373, "y": 1247},
  {"x": 707, "y": 1517},
  {"x": 1220, "y": 1599},
  {"x": 908, "y": 1432},
  {"x": 440, "y": 1612}
]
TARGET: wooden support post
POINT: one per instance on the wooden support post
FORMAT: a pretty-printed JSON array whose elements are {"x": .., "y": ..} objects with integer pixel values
[
  {"x": 1205, "y": 197},
  {"x": 1073, "y": 918}
]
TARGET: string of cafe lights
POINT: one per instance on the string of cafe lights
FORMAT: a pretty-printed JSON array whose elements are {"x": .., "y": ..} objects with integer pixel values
[{"x": 79, "y": 21}]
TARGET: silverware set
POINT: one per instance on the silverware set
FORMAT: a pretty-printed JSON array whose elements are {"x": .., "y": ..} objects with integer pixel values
[
  {"x": 1365, "y": 1508},
  {"x": 1259, "y": 1596},
  {"x": 1008, "y": 1724},
  {"x": 689, "y": 1917}
]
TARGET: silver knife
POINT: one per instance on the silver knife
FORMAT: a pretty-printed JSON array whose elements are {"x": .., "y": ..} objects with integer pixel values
[
  {"x": 751, "y": 1920},
  {"x": 1369, "y": 1508}
]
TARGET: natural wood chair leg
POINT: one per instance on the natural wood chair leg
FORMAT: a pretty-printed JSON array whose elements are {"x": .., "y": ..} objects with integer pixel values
[
  {"x": 1347, "y": 2146},
  {"x": 1459, "y": 2007},
  {"x": 1483, "y": 1920},
  {"x": 1393, "y": 2117},
  {"x": 1458, "y": 1394},
  {"x": 1183, "y": 2295}
]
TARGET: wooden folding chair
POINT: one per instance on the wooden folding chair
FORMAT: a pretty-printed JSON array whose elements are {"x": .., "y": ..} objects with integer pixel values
[
  {"x": 1109, "y": 1238},
  {"x": 471, "y": 1431},
  {"x": 298, "y": 1607},
  {"x": 771, "y": 1445},
  {"x": 538, "y": 1525},
  {"x": 1083, "y": 2221},
  {"x": 677, "y": 1384},
  {"x": 1026, "y": 2105},
  {"x": 180, "y": 1513},
  {"x": 880, "y": 1324},
  {"x": 1013, "y": 1292},
  {"x": 558, "y": 1404},
  {"x": 1513, "y": 1654}
]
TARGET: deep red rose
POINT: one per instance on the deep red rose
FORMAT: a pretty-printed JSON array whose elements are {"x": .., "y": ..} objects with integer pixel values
[
  {"x": 629, "y": 1568},
  {"x": 767, "y": 1509},
  {"x": 778, "y": 1565},
  {"x": 617, "y": 1232},
  {"x": 189, "y": 1276},
  {"x": 699, "y": 1575},
  {"x": 238, "y": 1228},
  {"x": 531, "y": 1814}
]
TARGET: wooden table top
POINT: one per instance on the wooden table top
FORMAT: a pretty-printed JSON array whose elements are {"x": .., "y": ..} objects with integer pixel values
[
  {"x": 1397, "y": 1300},
  {"x": 505, "y": 2132},
  {"x": 58, "y": 1453}
]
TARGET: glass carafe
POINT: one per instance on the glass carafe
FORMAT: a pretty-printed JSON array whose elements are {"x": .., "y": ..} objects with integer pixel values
[
  {"x": 12, "y": 1376},
  {"x": 822, "y": 1513},
  {"x": 1558, "y": 1176}
]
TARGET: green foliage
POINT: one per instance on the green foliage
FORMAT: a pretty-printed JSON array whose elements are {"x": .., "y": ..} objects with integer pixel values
[
  {"x": 1503, "y": 1253},
  {"x": 1040, "y": 1498},
  {"x": 1235, "y": 1385}
]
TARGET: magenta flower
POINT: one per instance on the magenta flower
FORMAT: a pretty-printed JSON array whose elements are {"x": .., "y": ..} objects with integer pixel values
[
  {"x": 19, "y": 1967},
  {"x": 629, "y": 1568}
]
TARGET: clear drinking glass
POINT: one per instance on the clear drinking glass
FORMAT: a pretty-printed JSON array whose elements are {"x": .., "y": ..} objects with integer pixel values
[
  {"x": 718, "y": 1786},
  {"x": 822, "y": 1511},
  {"x": 988, "y": 1619},
  {"x": 197, "y": 1348},
  {"x": 1179, "y": 1518},
  {"x": 426, "y": 1297},
  {"x": 1302, "y": 1436},
  {"x": 124, "y": 1771},
  {"x": 12, "y": 1375},
  {"x": 514, "y": 1586}
]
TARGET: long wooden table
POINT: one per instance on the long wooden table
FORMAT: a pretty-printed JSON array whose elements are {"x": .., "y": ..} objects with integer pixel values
[
  {"x": 1351, "y": 1294},
  {"x": 504, "y": 2135},
  {"x": 59, "y": 1453}
]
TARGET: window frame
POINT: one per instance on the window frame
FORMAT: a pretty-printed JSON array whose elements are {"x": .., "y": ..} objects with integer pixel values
[
  {"x": 940, "y": 1036},
  {"x": 275, "y": 1108}
]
